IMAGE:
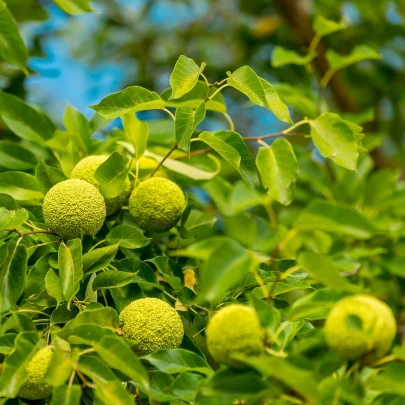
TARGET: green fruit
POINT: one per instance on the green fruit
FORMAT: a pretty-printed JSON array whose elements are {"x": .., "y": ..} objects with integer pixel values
[
  {"x": 34, "y": 387},
  {"x": 156, "y": 204},
  {"x": 74, "y": 207},
  {"x": 151, "y": 324},
  {"x": 234, "y": 330},
  {"x": 358, "y": 325},
  {"x": 85, "y": 169}
]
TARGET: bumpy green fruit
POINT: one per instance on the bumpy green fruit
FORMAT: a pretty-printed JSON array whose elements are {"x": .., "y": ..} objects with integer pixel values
[
  {"x": 234, "y": 330},
  {"x": 34, "y": 387},
  {"x": 151, "y": 324},
  {"x": 85, "y": 169},
  {"x": 156, "y": 204},
  {"x": 358, "y": 325},
  {"x": 74, "y": 207}
]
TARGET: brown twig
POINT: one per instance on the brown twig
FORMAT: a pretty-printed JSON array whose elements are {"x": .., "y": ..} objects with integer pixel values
[{"x": 173, "y": 148}]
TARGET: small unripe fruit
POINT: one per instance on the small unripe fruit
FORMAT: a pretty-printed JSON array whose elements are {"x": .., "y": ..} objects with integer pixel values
[
  {"x": 234, "y": 330},
  {"x": 34, "y": 387},
  {"x": 85, "y": 170},
  {"x": 156, "y": 204},
  {"x": 359, "y": 325},
  {"x": 151, "y": 324},
  {"x": 74, "y": 207}
]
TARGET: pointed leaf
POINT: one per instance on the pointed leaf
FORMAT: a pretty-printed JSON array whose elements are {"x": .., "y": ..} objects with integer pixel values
[
  {"x": 74, "y": 6},
  {"x": 359, "y": 53},
  {"x": 336, "y": 139},
  {"x": 186, "y": 123},
  {"x": 13, "y": 266},
  {"x": 127, "y": 236},
  {"x": 20, "y": 185},
  {"x": 78, "y": 128},
  {"x": 282, "y": 56},
  {"x": 48, "y": 176},
  {"x": 15, "y": 156},
  {"x": 184, "y": 76},
  {"x": 14, "y": 368},
  {"x": 336, "y": 218},
  {"x": 259, "y": 92},
  {"x": 112, "y": 174},
  {"x": 137, "y": 132},
  {"x": 11, "y": 216},
  {"x": 278, "y": 168},
  {"x": 113, "y": 279},
  {"x": 98, "y": 259},
  {"x": 70, "y": 268},
  {"x": 25, "y": 121},
  {"x": 130, "y": 100},
  {"x": 52, "y": 285},
  {"x": 66, "y": 395},
  {"x": 324, "y": 270},
  {"x": 12, "y": 47},
  {"x": 230, "y": 145},
  {"x": 323, "y": 26}
]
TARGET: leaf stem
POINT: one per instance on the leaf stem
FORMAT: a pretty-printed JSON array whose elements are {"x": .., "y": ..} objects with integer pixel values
[
  {"x": 314, "y": 43},
  {"x": 230, "y": 121},
  {"x": 170, "y": 113},
  {"x": 327, "y": 76},
  {"x": 21, "y": 234},
  {"x": 217, "y": 91},
  {"x": 172, "y": 149}
]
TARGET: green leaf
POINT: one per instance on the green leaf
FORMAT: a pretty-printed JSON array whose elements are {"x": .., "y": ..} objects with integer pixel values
[
  {"x": 225, "y": 267},
  {"x": 74, "y": 6},
  {"x": 19, "y": 185},
  {"x": 359, "y": 53},
  {"x": 25, "y": 121},
  {"x": 13, "y": 374},
  {"x": 230, "y": 145},
  {"x": 52, "y": 285},
  {"x": 324, "y": 270},
  {"x": 323, "y": 26},
  {"x": 15, "y": 156},
  {"x": 174, "y": 361},
  {"x": 60, "y": 368},
  {"x": 137, "y": 132},
  {"x": 336, "y": 139},
  {"x": 13, "y": 266},
  {"x": 159, "y": 389},
  {"x": 186, "y": 386},
  {"x": 281, "y": 287},
  {"x": 336, "y": 218},
  {"x": 111, "y": 175},
  {"x": 130, "y": 100},
  {"x": 195, "y": 97},
  {"x": 186, "y": 123},
  {"x": 300, "y": 380},
  {"x": 70, "y": 158},
  {"x": 185, "y": 169},
  {"x": 98, "y": 259},
  {"x": 109, "y": 390},
  {"x": 12, "y": 47},
  {"x": 184, "y": 76},
  {"x": 389, "y": 380},
  {"x": 278, "y": 168},
  {"x": 66, "y": 395},
  {"x": 11, "y": 216},
  {"x": 127, "y": 236},
  {"x": 70, "y": 268},
  {"x": 259, "y": 92},
  {"x": 78, "y": 128},
  {"x": 315, "y": 305},
  {"x": 282, "y": 56},
  {"x": 113, "y": 279},
  {"x": 117, "y": 354},
  {"x": 48, "y": 176},
  {"x": 7, "y": 343}
]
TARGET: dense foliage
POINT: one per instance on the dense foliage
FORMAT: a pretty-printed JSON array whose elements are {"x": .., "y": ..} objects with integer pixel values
[{"x": 148, "y": 262}]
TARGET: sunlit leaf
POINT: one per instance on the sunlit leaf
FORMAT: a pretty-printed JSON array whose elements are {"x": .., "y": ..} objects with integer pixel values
[
  {"x": 281, "y": 57},
  {"x": 359, "y": 53}
]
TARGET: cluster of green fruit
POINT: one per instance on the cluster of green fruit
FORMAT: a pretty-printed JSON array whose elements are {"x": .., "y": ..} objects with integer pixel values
[
  {"x": 76, "y": 207},
  {"x": 357, "y": 326}
]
